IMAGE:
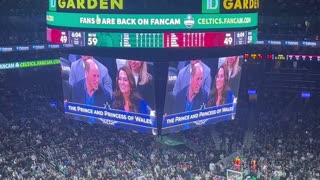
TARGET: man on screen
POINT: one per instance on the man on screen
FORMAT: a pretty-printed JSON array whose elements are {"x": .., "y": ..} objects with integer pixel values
[
  {"x": 192, "y": 96},
  {"x": 89, "y": 90},
  {"x": 184, "y": 76},
  {"x": 77, "y": 72}
]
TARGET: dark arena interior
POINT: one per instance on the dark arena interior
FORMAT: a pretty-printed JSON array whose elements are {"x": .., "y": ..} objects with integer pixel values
[{"x": 160, "y": 90}]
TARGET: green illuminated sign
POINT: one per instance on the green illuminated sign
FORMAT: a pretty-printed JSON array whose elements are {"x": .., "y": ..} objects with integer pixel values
[
  {"x": 254, "y": 36},
  {"x": 52, "y": 5},
  {"x": 12, "y": 65},
  {"x": 27, "y": 64},
  {"x": 152, "y": 21},
  {"x": 210, "y": 6}
]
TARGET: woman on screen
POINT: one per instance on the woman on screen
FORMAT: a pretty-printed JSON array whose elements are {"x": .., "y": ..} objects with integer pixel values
[
  {"x": 143, "y": 80},
  {"x": 126, "y": 96},
  {"x": 234, "y": 73},
  {"x": 220, "y": 93}
]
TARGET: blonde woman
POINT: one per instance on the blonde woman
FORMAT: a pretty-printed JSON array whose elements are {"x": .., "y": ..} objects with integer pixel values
[
  {"x": 143, "y": 80},
  {"x": 232, "y": 64}
]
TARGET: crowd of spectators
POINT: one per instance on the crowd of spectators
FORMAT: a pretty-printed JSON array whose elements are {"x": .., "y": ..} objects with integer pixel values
[
  {"x": 289, "y": 20},
  {"x": 23, "y": 22},
  {"x": 286, "y": 137},
  {"x": 29, "y": 55},
  {"x": 289, "y": 8},
  {"x": 289, "y": 28},
  {"x": 39, "y": 142},
  {"x": 23, "y": 8}
]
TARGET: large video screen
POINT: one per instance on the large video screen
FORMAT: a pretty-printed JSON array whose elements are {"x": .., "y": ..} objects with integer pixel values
[
  {"x": 201, "y": 92},
  {"x": 110, "y": 91},
  {"x": 152, "y": 21}
]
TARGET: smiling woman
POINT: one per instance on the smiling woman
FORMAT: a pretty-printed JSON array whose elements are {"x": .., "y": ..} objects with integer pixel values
[
  {"x": 126, "y": 96},
  {"x": 220, "y": 93},
  {"x": 90, "y": 4}
]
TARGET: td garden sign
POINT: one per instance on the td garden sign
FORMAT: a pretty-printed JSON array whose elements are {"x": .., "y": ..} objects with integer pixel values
[
  {"x": 214, "y": 6},
  {"x": 157, "y": 7},
  {"x": 152, "y": 21}
]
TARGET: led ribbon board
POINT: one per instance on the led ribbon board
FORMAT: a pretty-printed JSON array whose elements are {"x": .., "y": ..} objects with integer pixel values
[
  {"x": 152, "y": 40},
  {"x": 152, "y": 21},
  {"x": 29, "y": 64}
]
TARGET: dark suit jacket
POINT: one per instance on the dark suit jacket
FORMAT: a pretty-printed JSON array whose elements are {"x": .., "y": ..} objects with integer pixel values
[
  {"x": 169, "y": 103},
  {"x": 79, "y": 94},
  {"x": 234, "y": 84},
  {"x": 147, "y": 93},
  {"x": 181, "y": 100},
  {"x": 67, "y": 90}
]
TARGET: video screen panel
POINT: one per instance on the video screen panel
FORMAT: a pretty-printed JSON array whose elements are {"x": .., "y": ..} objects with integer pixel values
[
  {"x": 152, "y": 21},
  {"x": 201, "y": 92},
  {"x": 109, "y": 91}
]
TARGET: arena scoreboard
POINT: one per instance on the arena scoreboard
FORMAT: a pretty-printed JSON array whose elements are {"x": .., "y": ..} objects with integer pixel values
[
  {"x": 145, "y": 24},
  {"x": 152, "y": 39}
]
